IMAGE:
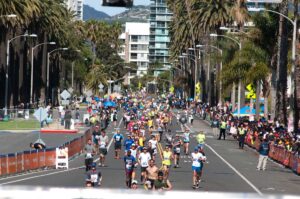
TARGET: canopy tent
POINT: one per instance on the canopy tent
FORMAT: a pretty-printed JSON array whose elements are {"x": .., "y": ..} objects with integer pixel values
[
  {"x": 245, "y": 111},
  {"x": 109, "y": 104}
]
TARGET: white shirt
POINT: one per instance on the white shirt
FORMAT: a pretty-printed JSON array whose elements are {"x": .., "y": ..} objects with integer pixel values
[
  {"x": 144, "y": 158},
  {"x": 60, "y": 109},
  {"x": 153, "y": 143},
  {"x": 196, "y": 157},
  {"x": 133, "y": 152}
]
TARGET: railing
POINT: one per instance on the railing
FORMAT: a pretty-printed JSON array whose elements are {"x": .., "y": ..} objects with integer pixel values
[{"x": 19, "y": 162}]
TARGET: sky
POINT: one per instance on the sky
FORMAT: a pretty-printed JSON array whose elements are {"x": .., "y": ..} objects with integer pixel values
[{"x": 112, "y": 10}]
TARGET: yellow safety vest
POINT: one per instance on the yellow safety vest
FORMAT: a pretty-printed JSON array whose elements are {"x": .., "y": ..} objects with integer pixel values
[{"x": 223, "y": 125}]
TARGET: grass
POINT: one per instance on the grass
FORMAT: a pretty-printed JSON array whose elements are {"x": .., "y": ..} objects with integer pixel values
[{"x": 19, "y": 125}]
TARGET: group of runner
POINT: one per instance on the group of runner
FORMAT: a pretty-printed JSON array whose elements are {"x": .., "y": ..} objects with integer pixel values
[{"x": 146, "y": 121}]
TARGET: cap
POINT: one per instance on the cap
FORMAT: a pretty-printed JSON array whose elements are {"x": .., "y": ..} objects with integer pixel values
[
  {"x": 144, "y": 148},
  {"x": 134, "y": 182},
  {"x": 94, "y": 165},
  {"x": 196, "y": 148}
]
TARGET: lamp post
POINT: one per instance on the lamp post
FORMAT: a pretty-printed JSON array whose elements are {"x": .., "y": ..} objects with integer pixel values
[
  {"x": 221, "y": 66},
  {"x": 240, "y": 81},
  {"x": 9, "y": 16},
  {"x": 48, "y": 65},
  {"x": 32, "y": 67},
  {"x": 7, "y": 66},
  {"x": 73, "y": 63}
]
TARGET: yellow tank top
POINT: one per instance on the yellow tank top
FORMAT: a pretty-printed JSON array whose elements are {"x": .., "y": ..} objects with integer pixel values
[
  {"x": 167, "y": 158},
  {"x": 141, "y": 141}
]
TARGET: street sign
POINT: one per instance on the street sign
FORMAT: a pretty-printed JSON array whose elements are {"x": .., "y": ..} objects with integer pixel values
[
  {"x": 65, "y": 94},
  {"x": 264, "y": 1},
  {"x": 40, "y": 114},
  {"x": 198, "y": 88},
  {"x": 89, "y": 93},
  {"x": 71, "y": 90},
  {"x": 65, "y": 102},
  {"x": 100, "y": 86},
  {"x": 251, "y": 93},
  {"x": 89, "y": 99}
]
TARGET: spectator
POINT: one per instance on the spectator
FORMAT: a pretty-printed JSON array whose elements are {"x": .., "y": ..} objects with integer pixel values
[
  {"x": 68, "y": 117},
  {"x": 263, "y": 155}
]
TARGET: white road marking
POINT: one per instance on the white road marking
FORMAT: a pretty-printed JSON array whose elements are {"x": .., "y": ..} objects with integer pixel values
[
  {"x": 52, "y": 173},
  {"x": 234, "y": 169}
]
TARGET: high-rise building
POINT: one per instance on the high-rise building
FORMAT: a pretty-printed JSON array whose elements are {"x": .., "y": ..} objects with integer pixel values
[
  {"x": 160, "y": 17},
  {"x": 77, "y": 7},
  {"x": 135, "y": 47}
]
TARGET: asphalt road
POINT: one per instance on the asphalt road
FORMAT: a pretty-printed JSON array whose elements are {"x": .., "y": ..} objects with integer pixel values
[
  {"x": 11, "y": 142},
  {"x": 228, "y": 169}
]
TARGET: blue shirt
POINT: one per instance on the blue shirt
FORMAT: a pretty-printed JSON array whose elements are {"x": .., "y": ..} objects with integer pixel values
[
  {"x": 129, "y": 162},
  {"x": 128, "y": 143},
  {"x": 264, "y": 148},
  {"x": 118, "y": 137}
]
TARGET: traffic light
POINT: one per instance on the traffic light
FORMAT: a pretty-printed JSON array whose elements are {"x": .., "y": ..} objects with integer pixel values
[{"x": 118, "y": 3}]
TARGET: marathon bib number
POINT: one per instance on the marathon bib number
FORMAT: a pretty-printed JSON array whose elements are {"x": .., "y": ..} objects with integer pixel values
[
  {"x": 89, "y": 155},
  {"x": 128, "y": 166},
  {"x": 118, "y": 138},
  {"x": 177, "y": 149},
  {"x": 94, "y": 178},
  {"x": 102, "y": 145},
  {"x": 144, "y": 164}
]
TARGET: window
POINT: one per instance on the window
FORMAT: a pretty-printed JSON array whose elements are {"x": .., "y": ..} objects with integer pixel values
[{"x": 133, "y": 56}]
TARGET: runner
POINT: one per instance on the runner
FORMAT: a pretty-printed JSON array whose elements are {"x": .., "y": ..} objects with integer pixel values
[
  {"x": 118, "y": 137},
  {"x": 89, "y": 151},
  {"x": 197, "y": 163},
  {"x": 167, "y": 157},
  {"x": 143, "y": 160},
  {"x": 153, "y": 145},
  {"x": 151, "y": 173},
  {"x": 201, "y": 139},
  {"x": 129, "y": 161},
  {"x": 176, "y": 148},
  {"x": 103, "y": 142},
  {"x": 128, "y": 142},
  {"x": 186, "y": 141},
  {"x": 94, "y": 177},
  {"x": 161, "y": 183}
]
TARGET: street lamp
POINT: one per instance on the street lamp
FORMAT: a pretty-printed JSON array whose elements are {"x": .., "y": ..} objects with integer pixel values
[
  {"x": 226, "y": 28},
  {"x": 7, "y": 66},
  {"x": 294, "y": 49},
  {"x": 240, "y": 81},
  {"x": 73, "y": 63},
  {"x": 32, "y": 67},
  {"x": 221, "y": 66},
  {"x": 9, "y": 16},
  {"x": 48, "y": 65}
]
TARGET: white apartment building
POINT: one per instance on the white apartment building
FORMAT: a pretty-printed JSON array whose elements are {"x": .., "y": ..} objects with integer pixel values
[
  {"x": 136, "y": 45},
  {"x": 77, "y": 7}
]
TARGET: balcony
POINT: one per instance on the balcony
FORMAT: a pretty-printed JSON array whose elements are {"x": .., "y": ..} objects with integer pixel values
[{"x": 158, "y": 5}]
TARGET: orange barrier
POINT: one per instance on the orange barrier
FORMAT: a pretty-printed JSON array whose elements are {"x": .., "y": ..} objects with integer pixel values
[
  {"x": 20, "y": 160},
  {"x": 34, "y": 159},
  {"x": 3, "y": 161},
  {"x": 41, "y": 159},
  {"x": 12, "y": 163},
  {"x": 50, "y": 155}
]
